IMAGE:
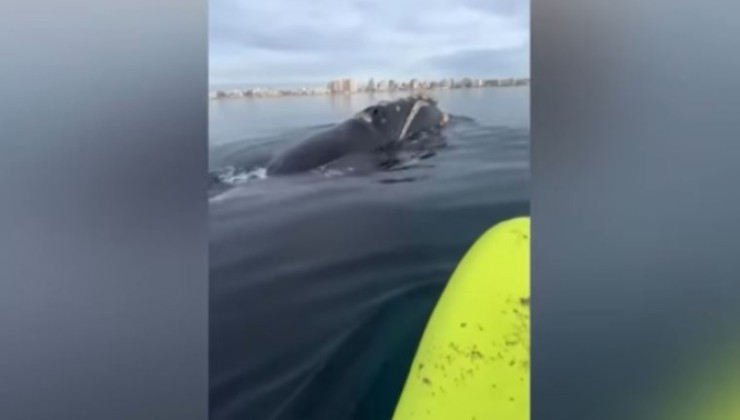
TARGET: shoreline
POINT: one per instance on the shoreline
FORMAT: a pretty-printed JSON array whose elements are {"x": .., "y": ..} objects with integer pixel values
[{"x": 283, "y": 93}]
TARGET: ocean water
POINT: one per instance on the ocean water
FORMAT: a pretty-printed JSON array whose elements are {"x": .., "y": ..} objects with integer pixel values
[{"x": 320, "y": 286}]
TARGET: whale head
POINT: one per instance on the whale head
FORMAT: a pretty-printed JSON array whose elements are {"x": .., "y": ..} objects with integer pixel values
[{"x": 404, "y": 118}]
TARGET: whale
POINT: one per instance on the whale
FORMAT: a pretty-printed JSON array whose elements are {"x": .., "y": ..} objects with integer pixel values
[{"x": 370, "y": 138}]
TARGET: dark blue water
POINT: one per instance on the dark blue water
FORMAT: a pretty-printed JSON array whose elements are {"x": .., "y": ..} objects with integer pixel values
[{"x": 320, "y": 286}]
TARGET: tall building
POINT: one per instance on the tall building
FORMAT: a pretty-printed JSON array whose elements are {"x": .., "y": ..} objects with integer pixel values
[
  {"x": 382, "y": 85},
  {"x": 371, "y": 85},
  {"x": 342, "y": 85},
  {"x": 392, "y": 85},
  {"x": 335, "y": 86},
  {"x": 349, "y": 85},
  {"x": 413, "y": 84}
]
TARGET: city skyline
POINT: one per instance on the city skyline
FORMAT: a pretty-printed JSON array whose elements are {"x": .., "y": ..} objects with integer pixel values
[
  {"x": 292, "y": 42},
  {"x": 348, "y": 85},
  {"x": 359, "y": 81}
]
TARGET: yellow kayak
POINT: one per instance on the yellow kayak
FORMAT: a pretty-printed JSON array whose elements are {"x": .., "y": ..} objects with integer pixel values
[{"x": 473, "y": 359}]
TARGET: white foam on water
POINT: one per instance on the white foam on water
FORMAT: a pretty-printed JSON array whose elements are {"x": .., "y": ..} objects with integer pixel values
[
  {"x": 257, "y": 173},
  {"x": 332, "y": 173},
  {"x": 237, "y": 177}
]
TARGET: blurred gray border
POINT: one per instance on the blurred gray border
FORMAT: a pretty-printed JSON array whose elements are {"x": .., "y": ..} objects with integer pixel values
[
  {"x": 103, "y": 250},
  {"x": 636, "y": 211},
  {"x": 103, "y": 310}
]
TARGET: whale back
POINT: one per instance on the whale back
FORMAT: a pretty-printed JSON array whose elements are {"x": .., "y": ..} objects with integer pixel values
[{"x": 349, "y": 137}]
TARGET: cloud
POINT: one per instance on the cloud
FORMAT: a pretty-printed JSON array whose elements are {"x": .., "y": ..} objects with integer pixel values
[
  {"x": 485, "y": 63},
  {"x": 254, "y": 42}
]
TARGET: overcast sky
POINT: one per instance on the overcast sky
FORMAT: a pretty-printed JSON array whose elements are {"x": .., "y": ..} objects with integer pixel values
[{"x": 271, "y": 42}]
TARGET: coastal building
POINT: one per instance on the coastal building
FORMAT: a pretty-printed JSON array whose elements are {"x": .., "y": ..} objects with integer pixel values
[
  {"x": 349, "y": 85},
  {"x": 382, "y": 86},
  {"x": 371, "y": 87},
  {"x": 392, "y": 85},
  {"x": 334, "y": 86},
  {"x": 414, "y": 84},
  {"x": 342, "y": 85}
]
